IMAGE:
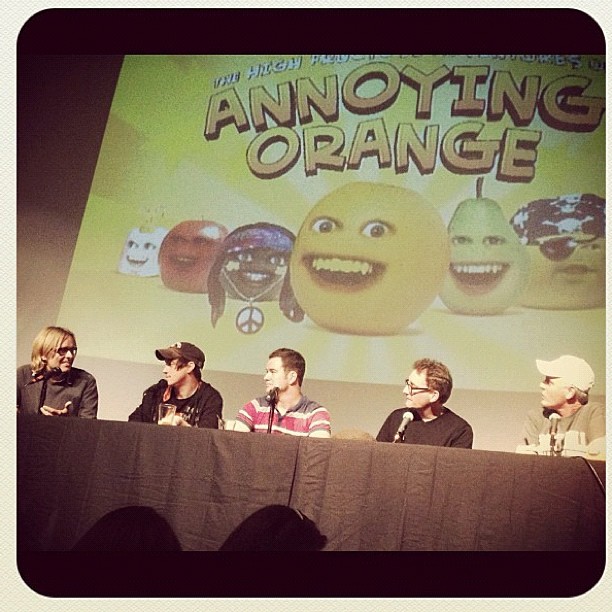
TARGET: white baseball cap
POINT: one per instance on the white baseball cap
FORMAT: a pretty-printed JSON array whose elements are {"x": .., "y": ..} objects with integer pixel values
[{"x": 577, "y": 372}]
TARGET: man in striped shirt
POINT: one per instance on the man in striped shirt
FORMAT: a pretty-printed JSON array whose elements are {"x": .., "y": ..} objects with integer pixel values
[{"x": 292, "y": 412}]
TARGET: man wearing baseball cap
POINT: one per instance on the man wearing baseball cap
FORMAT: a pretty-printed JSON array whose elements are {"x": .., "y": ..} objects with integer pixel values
[
  {"x": 198, "y": 404},
  {"x": 565, "y": 395}
]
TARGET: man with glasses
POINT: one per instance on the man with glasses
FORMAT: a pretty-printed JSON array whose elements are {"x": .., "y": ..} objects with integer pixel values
[
  {"x": 50, "y": 385},
  {"x": 566, "y": 423},
  {"x": 198, "y": 404},
  {"x": 425, "y": 419}
]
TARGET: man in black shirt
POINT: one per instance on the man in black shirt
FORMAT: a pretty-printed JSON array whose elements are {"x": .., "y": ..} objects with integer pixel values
[
  {"x": 425, "y": 419},
  {"x": 198, "y": 404}
]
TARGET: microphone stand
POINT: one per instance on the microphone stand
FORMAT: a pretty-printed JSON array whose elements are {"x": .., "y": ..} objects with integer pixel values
[
  {"x": 554, "y": 423},
  {"x": 43, "y": 394},
  {"x": 47, "y": 374},
  {"x": 273, "y": 398},
  {"x": 553, "y": 439}
]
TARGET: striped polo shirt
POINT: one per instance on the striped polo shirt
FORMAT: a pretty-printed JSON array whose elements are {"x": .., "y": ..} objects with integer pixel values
[{"x": 301, "y": 420}]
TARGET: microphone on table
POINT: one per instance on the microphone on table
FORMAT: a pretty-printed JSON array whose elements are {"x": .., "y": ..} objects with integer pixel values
[
  {"x": 553, "y": 417},
  {"x": 406, "y": 418},
  {"x": 272, "y": 399}
]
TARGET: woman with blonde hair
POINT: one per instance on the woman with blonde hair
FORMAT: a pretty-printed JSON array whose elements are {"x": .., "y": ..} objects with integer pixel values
[{"x": 50, "y": 385}]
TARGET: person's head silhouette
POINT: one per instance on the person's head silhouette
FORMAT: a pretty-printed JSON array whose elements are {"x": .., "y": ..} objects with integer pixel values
[
  {"x": 275, "y": 528},
  {"x": 131, "y": 528}
]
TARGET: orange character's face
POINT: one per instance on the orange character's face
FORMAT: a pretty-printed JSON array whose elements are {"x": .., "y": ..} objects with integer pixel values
[{"x": 368, "y": 259}]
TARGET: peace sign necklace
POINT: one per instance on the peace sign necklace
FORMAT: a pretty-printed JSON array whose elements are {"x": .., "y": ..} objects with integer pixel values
[{"x": 250, "y": 319}]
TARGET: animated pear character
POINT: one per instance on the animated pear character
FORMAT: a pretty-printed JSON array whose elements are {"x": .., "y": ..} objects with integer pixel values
[{"x": 488, "y": 265}]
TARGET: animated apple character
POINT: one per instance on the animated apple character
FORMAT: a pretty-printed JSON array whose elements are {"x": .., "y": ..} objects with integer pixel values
[{"x": 187, "y": 253}]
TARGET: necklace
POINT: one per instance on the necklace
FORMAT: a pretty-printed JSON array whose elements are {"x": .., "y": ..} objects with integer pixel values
[{"x": 250, "y": 319}]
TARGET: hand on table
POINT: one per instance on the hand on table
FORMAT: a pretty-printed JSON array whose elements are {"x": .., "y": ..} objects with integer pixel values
[
  {"x": 49, "y": 411},
  {"x": 179, "y": 421}
]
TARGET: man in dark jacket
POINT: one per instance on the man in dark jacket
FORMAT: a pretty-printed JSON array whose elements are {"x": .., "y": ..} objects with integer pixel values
[
  {"x": 50, "y": 384},
  {"x": 198, "y": 404}
]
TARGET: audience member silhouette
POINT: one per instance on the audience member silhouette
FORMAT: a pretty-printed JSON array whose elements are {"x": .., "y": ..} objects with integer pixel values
[
  {"x": 275, "y": 528},
  {"x": 129, "y": 529}
]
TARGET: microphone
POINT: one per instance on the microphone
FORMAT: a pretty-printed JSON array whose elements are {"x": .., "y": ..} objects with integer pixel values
[
  {"x": 553, "y": 417},
  {"x": 272, "y": 396},
  {"x": 406, "y": 418},
  {"x": 45, "y": 375}
]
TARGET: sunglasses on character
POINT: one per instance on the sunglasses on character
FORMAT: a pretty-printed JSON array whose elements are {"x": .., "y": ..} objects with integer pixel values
[{"x": 558, "y": 249}]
